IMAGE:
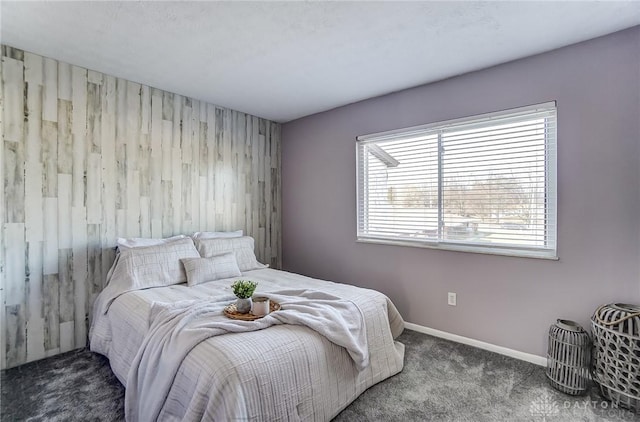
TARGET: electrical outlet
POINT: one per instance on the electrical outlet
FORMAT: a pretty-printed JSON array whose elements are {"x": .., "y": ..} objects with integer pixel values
[{"x": 452, "y": 299}]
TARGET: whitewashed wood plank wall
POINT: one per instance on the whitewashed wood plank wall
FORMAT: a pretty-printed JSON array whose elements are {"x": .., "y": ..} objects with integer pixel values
[{"x": 87, "y": 158}]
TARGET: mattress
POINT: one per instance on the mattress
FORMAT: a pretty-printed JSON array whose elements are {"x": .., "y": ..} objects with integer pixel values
[{"x": 284, "y": 372}]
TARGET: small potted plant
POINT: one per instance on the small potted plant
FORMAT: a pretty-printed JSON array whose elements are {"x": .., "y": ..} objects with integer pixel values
[{"x": 243, "y": 289}]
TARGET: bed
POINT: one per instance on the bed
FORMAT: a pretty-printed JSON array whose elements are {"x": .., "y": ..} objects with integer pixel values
[{"x": 279, "y": 372}]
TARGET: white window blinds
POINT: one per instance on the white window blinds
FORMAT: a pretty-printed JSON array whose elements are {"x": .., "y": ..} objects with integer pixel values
[{"x": 482, "y": 184}]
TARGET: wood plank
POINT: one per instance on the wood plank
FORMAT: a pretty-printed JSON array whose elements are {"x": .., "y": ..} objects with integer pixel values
[
  {"x": 15, "y": 276},
  {"x": 155, "y": 172},
  {"x": 186, "y": 133},
  {"x": 16, "y": 335},
  {"x": 204, "y": 149},
  {"x": 49, "y": 159},
  {"x": 219, "y": 181},
  {"x": 14, "y": 181},
  {"x": 34, "y": 316},
  {"x": 121, "y": 118},
  {"x": 255, "y": 176},
  {"x": 133, "y": 204},
  {"x": 267, "y": 194},
  {"x": 34, "y": 122},
  {"x": 203, "y": 111},
  {"x": 94, "y": 118},
  {"x": 202, "y": 193},
  {"x": 66, "y": 291},
  {"x": 94, "y": 256},
  {"x": 79, "y": 99},
  {"x": 64, "y": 211},
  {"x": 50, "y": 247},
  {"x": 167, "y": 106},
  {"x": 210, "y": 207},
  {"x": 231, "y": 166},
  {"x": 94, "y": 77},
  {"x": 13, "y": 53},
  {"x": 121, "y": 223},
  {"x": 145, "y": 217},
  {"x": 195, "y": 164},
  {"x": 145, "y": 110},
  {"x": 108, "y": 161},
  {"x": 13, "y": 99},
  {"x": 212, "y": 158},
  {"x": 51, "y": 352},
  {"x": 176, "y": 192},
  {"x": 275, "y": 220},
  {"x": 35, "y": 340},
  {"x": 176, "y": 137},
  {"x": 155, "y": 164},
  {"x": 94, "y": 189},
  {"x": 65, "y": 139},
  {"x": 239, "y": 155},
  {"x": 64, "y": 81},
  {"x": 186, "y": 202},
  {"x": 133, "y": 124},
  {"x": 156, "y": 123},
  {"x": 108, "y": 257},
  {"x": 276, "y": 183},
  {"x": 120, "y": 178},
  {"x": 79, "y": 274},
  {"x": 67, "y": 338},
  {"x": 50, "y": 92},
  {"x": 167, "y": 132},
  {"x": 33, "y": 69},
  {"x": 51, "y": 309},
  {"x": 249, "y": 151},
  {"x": 186, "y": 217},
  {"x": 167, "y": 207},
  {"x": 79, "y": 133},
  {"x": 156, "y": 228},
  {"x": 143, "y": 167}
]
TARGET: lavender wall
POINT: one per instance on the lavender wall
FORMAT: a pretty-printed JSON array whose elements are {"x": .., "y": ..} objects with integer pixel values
[{"x": 501, "y": 300}]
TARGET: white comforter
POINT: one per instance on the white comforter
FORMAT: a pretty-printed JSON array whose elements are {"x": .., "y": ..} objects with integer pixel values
[{"x": 284, "y": 372}]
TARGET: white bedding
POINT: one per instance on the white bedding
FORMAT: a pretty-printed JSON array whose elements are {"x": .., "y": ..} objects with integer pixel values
[{"x": 284, "y": 372}]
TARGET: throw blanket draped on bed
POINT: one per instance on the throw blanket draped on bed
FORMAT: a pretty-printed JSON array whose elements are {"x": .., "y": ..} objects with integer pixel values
[{"x": 175, "y": 329}]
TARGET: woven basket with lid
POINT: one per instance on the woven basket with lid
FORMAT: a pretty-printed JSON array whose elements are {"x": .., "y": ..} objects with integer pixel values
[
  {"x": 616, "y": 342},
  {"x": 568, "y": 357}
]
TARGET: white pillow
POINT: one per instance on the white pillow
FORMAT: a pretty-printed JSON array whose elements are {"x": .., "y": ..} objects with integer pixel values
[
  {"x": 242, "y": 247},
  {"x": 216, "y": 235},
  {"x": 153, "y": 266},
  {"x": 140, "y": 242},
  {"x": 200, "y": 270}
]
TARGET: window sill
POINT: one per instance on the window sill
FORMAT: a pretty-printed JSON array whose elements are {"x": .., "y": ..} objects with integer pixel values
[{"x": 447, "y": 246}]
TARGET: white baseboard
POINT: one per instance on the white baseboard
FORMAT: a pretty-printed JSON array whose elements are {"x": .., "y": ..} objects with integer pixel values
[{"x": 528, "y": 357}]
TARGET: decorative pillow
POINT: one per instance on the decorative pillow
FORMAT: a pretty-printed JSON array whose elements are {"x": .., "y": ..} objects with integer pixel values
[
  {"x": 242, "y": 247},
  {"x": 200, "y": 270},
  {"x": 153, "y": 266},
  {"x": 216, "y": 235},
  {"x": 140, "y": 242}
]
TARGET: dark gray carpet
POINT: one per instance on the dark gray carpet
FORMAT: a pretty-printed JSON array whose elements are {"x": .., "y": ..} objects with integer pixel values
[
  {"x": 74, "y": 386},
  {"x": 441, "y": 381}
]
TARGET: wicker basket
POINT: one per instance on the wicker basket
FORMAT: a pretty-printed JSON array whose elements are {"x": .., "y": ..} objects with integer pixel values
[
  {"x": 616, "y": 338},
  {"x": 568, "y": 357}
]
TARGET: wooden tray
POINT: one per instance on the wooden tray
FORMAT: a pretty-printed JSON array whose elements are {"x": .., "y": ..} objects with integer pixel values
[{"x": 231, "y": 312}]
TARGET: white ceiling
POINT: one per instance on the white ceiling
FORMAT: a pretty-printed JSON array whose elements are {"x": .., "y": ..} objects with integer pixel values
[{"x": 285, "y": 60}]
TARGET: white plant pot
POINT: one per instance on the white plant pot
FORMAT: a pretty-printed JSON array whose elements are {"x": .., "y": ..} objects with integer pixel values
[{"x": 243, "y": 306}]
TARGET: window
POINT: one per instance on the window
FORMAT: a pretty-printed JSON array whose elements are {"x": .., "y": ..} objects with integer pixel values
[{"x": 480, "y": 184}]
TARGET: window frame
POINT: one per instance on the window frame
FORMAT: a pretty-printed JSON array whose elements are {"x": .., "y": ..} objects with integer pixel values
[{"x": 550, "y": 182}]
